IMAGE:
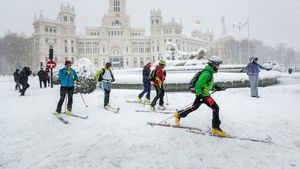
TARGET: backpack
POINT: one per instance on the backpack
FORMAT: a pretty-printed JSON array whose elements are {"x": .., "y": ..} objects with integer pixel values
[
  {"x": 193, "y": 81},
  {"x": 152, "y": 75},
  {"x": 100, "y": 78}
]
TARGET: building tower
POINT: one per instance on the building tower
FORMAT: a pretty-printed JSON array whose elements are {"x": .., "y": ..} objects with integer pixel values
[
  {"x": 156, "y": 21},
  {"x": 66, "y": 45},
  {"x": 223, "y": 26}
]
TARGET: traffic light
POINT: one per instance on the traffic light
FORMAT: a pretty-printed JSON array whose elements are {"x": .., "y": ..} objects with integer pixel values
[{"x": 51, "y": 54}]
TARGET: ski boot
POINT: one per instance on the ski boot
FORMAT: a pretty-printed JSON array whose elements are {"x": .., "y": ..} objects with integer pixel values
[
  {"x": 69, "y": 113},
  {"x": 218, "y": 132},
  {"x": 162, "y": 107},
  {"x": 57, "y": 114},
  {"x": 147, "y": 101},
  {"x": 177, "y": 118},
  {"x": 152, "y": 108},
  {"x": 138, "y": 99}
]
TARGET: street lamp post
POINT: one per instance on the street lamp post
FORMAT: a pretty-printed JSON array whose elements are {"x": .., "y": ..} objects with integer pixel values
[{"x": 239, "y": 26}]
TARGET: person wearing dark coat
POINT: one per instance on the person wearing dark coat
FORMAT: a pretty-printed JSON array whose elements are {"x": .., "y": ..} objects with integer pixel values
[
  {"x": 23, "y": 79},
  {"x": 16, "y": 78},
  {"x": 146, "y": 83},
  {"x": 42, "y": 78}
]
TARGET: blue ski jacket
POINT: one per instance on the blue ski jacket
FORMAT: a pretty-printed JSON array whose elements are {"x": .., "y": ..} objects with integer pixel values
[{"x": 67, "y": 79}]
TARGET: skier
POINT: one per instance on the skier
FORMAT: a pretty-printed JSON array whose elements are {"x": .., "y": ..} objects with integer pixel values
[
  {"x": 42, "y": 77},
  {"x": 253, "y": 73},
  {"x": 23, "y": 79},
  {"x": 106, "y": 77},
  {"x": 68, "y": 78},
  {"x": 146, "y": 83},
  {"x": 16, "y": 78},
  {"x": 160, "y": 75},
  {"x": 204, "y": 84}
]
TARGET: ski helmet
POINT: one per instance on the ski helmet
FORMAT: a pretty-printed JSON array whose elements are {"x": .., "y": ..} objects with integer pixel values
[
  {"x": 214, "y": 61},
  {"x": 253, "y": 58},
  {"x": 162, "y": 62}
]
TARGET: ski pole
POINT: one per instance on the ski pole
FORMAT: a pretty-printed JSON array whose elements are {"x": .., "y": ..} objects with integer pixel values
[
  {"x": 167, "y": 100},
  {"x": 83, "y": 100}
]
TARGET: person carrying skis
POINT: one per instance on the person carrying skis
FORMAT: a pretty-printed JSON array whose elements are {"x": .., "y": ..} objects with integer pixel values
[
  {"x": 16, "y": 79},
  {"x": 158, "y": 84},
  {"x": 106, "y": 77},
  {"x": 42, "y": 77},
  {"x": 146, "y": 83},
  {"x": 67, "y": 78},
  {"x": 204, "y": 84},
  {"x": 253, "y": 73}
]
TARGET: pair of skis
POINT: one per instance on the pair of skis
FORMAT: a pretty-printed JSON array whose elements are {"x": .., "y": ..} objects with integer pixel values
[
  {"x": 138, "y": 102},
  {"x": 73, "y": 115},
  {"x": 111, "y": 108},
  {"x": 165, "y": 111},
  {"x": 195, "y": 130}
]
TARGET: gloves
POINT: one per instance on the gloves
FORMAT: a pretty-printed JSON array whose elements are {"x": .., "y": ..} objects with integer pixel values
[
  {"x": 219, "y": 88},
  {"x": 113, "y": 80},
  {"x": 241, "y": 70},
  {"x": 268, "y": 69}
]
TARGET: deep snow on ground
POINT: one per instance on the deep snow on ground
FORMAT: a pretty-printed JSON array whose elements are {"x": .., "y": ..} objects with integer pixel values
[{"x": 32, "y": 138}]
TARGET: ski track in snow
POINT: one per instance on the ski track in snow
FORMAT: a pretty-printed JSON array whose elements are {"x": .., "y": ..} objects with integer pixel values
[{"x": 32, "y": 138}]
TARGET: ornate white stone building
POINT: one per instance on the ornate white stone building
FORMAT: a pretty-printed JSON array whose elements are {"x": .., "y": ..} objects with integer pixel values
[{"x": 115, "y": 40}]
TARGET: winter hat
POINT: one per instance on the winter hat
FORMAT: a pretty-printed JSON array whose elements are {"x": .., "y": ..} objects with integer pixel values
[
  {"x": 214, "y": 61},
  {"x": 253, "y": 58},
  {"x": 108, "y": 64},
  {"x": 148, "y": 65},
  {"x": 67, "y": 62},
  {"x": 17, "y": 70}
]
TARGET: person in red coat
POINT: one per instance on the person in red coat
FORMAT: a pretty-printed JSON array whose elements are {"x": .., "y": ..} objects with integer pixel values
[{"x": 160, "y": 75}]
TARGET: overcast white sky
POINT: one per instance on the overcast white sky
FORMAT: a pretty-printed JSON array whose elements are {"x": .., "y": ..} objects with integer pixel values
[{"x": 271, "y": 21}]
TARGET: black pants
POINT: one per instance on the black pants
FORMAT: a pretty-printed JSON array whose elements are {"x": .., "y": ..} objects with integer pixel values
[
  {"x": 160, "y": 92},
  {"x": 210, "y": 102},
  {"x": 17, "y": 86},
  {"x": 25, "y": 86},
  {"x": 63, "y": 92},
  {"x": 43, "y": 82},
  {"x": 106, "y": 97}
]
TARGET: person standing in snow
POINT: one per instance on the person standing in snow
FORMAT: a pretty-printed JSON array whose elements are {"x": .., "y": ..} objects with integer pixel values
[
  {"x": 160, "y": 75},
  {"x": 42, "y": 77},
  {"x": 67, "y": 78},
  {"x": 253, "y": 69},
  {"x": 23, "y": 79},
  {"x": 204, "y": 85},
  {"x": 106, "y": 77},
  {"x": 16, "y": 79},
  {"x": 146, "y": 83}
]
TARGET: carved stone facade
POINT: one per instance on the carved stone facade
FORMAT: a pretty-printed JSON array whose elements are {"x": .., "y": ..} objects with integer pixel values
[{"x": 115, "y": 40}]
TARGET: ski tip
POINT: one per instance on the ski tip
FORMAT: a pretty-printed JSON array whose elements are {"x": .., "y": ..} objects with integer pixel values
[{"x": 151, "y": 124}]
